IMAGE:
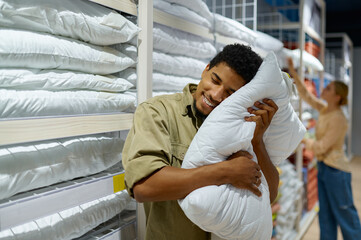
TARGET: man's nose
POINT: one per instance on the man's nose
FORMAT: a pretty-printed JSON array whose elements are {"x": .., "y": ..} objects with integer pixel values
[{"x": 218, "y": 95}]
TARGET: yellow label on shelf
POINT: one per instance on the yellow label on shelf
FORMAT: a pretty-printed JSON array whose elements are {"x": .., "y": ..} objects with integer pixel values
[{"x": 118, "y": 183}]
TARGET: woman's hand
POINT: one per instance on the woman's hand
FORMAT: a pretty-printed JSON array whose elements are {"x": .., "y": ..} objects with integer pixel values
[{"x": 263, "y": 117}]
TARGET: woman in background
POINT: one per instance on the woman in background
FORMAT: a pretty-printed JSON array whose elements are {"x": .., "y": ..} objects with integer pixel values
[{"x": 334, "y": 177}]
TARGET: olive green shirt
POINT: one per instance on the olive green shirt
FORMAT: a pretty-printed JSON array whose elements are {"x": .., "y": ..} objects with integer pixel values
[{"x": 163, "y": 128}]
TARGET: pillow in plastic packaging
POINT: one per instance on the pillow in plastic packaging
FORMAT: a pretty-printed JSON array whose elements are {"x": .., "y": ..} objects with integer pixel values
[
  {"x": 25, "y": 49},
  {"x": 82, "y": 20}
]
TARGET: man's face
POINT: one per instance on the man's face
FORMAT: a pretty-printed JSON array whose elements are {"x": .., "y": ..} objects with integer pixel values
[{"x": 217, "y": 84}]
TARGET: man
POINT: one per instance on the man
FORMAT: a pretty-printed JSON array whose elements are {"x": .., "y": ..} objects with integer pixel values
[{"x": 163, "y": 129}]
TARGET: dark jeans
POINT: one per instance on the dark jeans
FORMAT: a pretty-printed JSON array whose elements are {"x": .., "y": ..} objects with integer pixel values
[{"x": 336, "y": 204}]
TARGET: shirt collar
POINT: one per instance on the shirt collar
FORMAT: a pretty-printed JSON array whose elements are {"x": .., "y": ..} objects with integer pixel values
[{"x": 189, "y": 106}]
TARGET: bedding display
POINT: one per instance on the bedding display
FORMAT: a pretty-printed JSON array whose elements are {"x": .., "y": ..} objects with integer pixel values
[
  {"x": 28, "y": 166},
  {"x": 82, "y": 20},
  {"x": 17, "y": 104},
  {"x": 24, "y": 49},
  {"x": 229, "y": 212},
  {"x": 70, "y": 223},
  {"x": 58, "y": 80}
]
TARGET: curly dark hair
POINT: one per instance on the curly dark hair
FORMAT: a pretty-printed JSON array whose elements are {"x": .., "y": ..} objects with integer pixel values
[{"x": 240, "y": 58}]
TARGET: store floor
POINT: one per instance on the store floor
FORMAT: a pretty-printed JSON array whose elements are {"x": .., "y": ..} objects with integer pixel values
[{"x": 313, "y": 232}]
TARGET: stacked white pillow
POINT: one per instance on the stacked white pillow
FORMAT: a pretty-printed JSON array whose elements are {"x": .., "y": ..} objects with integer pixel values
[
  {"x": 25, "y": 49},
  {"x": 172, "y": 41},
  {"x": 82, "y": 20},
  {"x": 58, "y": 80},
  {"x": 229, "y": 212},
  {"x": 28, "y": 166},
  {"x": 181, "y": 12},
  {"x": 35, "y": 103},
  {"x": 309, "y": 60},
  {"x": 73, "y": 222}
]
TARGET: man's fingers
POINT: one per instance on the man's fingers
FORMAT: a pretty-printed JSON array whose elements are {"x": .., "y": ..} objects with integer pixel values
[{"x": 255, "y": 190}]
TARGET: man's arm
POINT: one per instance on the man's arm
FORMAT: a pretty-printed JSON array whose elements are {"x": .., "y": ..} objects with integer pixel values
[
  {"x": 170, "y": 183},
  {"x": 263, "y": 118}
]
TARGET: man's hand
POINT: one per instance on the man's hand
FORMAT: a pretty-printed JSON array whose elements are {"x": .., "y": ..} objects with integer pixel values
[
  {"x": 243, "y": 172},
  {"x": 263, "y": 117}
]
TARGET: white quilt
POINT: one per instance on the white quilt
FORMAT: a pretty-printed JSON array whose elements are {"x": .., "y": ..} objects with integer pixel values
[
  {"x": 178, "y": 65},
  {"x": 182, "y": 12},
  {"x": 28, "y": 166},
  {"x": 25, "y": 49},
  {"x": 173, "y": 41},
  {"x": 70, "y": 223},
  {"x": 81, "y": 20},
  {"x": 15, "y": 104},
  {"x": 57, "y": 80},
  {"x": 229, "y": 212}
]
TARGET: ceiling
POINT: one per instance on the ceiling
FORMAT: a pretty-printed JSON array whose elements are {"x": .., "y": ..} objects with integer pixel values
[{"x": 344, "y": 16}]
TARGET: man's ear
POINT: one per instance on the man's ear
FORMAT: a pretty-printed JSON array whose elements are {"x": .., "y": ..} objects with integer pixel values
[{"x": 206, "y": 69}]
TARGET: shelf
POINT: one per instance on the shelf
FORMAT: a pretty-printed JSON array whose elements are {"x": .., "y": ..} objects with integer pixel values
[
  {"x": 306, "y": 222},
  {"x": 37, "y": 129},
  {"x": 122, "y": 226},
  {"x": 35, "y": 204},
  {"x": 121, "y": 5}
]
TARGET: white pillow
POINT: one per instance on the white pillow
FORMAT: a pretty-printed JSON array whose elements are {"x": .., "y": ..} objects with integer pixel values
[
  {"x": 73, "y": 222},
  {"x": 17, "y": 104},
  {"x": 197, "y": 6},
  {"x": 161, "y": 82},
  {"x": 227, "y": 211},
  {"x": 81, "y": 20},
  {"x": 170, "y": 40},
  {"x": 308, "y": 59},
  {"x": 25, "y": 167},
  {"x": 25, "y": 49},
  {"x": 57, "y": 80},
  {"x": 182, "y": 12},
  {"x": 267, "y": 42},
  {"x": 127, "y": 49},
  {"x": 178, "y": 65},
  {"x": 233, "y": 28}
]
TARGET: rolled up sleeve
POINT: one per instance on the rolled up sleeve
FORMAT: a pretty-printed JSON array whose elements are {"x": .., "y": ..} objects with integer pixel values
[{"x": 147, "y": 147}]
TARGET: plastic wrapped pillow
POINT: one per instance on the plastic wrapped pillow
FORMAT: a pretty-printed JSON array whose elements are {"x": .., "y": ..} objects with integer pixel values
[
  {"x": 35, "y": 103},
  {"x": 308, "y": 59},
  {"x": 71, "y": 223},
  {"x": 197, "y": 6},
  {"x": 81, "y": 20},
  {"x": 182, "y": 12},
  {"x": 178, "y": 65},
  {"x": 58, "y": 80},
  {"x": 229, "y": 212},
  {"x": 267, "y": 42},
  {"x": 233, "y": 28},
  {"x": 173, "y": 41},
  {"x": 28, "y": 166},
  {"x": 24, "y": 49}
]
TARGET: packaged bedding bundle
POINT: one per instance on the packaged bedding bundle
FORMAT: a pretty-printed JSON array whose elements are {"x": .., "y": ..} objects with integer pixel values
[
  {"x": 226, "y": 211},
  {"x": 60, "y": 62},
  {"x": 70, "y": 223},
  {"x": 24, "y": 167}
]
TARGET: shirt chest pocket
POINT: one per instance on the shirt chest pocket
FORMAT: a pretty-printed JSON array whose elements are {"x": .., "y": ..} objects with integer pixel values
[{"x": 178, "y": 153}]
